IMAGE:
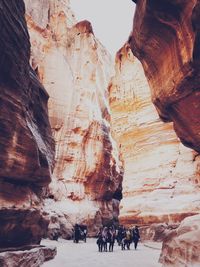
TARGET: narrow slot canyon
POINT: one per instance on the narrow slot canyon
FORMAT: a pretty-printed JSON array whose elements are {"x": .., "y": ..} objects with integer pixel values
[{"x": 98, "y": 139}]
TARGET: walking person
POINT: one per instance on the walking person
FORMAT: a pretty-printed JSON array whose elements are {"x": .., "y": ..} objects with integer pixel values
[
  {"x": 111, "y": 238},
  {"x": 100, "y": 240},
  {"x": 76, "y": 233},
  {"x": 136, "y": 236},
  {"x": 105, "y": 238},
  {"x": 128, "y": 238}
]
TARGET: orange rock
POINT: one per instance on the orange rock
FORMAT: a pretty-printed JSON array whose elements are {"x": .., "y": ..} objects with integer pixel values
[{"x": 167, "y": 45}]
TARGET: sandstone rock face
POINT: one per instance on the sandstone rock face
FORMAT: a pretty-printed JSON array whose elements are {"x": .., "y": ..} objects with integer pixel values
[
  {"x": 166, "y": 39},
  {"x": 76, "y": 69},
  {"x": 21, "y": 227},
  {"x": 181, "y": 247},
  {"x": 157, "y": 232},
  {"x": 26, "y": 144},
  {"x": 161, "y": 178},
  {"x": 29, "y": 256}
]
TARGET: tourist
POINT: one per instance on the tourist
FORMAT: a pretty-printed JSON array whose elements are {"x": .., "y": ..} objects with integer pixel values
[
  {"x": 111, "y": 238},
  {"x": 100, "y": 240},
  {"x": 136, "y": 236},
  {"x": 76, "y": 233}
]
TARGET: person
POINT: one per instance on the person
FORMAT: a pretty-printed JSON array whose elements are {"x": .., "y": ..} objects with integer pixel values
[
  {"x": 85, "y": 234},
  {"x": 136, "y": 236},
  {"x": 76, "y": 233},
  {"x": 105, "y": 238},
  {"x": 111, "y": 238},
  {"x": 100, "y": 240},
  {"x": 123, "y": 238},
  {"x": 128, "y": 238}
]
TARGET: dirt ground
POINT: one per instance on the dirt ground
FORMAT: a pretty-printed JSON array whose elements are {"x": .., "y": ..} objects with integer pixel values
[{"x": 83, "y": 254}]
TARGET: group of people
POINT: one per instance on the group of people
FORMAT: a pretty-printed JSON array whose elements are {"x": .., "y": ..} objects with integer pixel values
[{"x": 107, "y": 235}]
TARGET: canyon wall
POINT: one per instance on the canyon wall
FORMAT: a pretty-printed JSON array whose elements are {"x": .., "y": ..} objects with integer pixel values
[
  {"x": 181, "y": 247},
  {"x": 161, "y": 179},
  {"x": 165, "y": 38},
  {"x": 26, "y": 144},
  {"x": 76, "y": 69}
]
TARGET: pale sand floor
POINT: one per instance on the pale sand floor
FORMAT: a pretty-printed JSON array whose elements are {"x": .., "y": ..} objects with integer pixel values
[{"x": 86, "y": 255}]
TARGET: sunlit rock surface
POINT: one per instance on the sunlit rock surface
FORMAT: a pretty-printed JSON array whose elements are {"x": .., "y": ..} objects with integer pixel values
[
  {"x": 26, "y": 144},
  {"x": 166, "y": 39},
  {"x": 76, "y": 69},
  {"x": 161, "y": 179},
  {"x": 182, "y": 246},
  {"x": 27, "y": 256}
]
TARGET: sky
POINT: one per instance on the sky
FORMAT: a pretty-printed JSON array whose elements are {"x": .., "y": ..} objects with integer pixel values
[{"x": 111, "y": 20}]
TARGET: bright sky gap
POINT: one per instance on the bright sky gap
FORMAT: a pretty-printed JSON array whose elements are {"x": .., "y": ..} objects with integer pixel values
[{"x": 111, "y": 20}]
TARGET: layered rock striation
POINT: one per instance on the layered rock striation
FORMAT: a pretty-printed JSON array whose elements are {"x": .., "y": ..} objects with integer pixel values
[
  {"x": 161, "y": 178},
  {"x": 181, "y": 246},
  {"x": 76, "y": 69},
  {"x": 26, "y": 144},
  {"x": 165, "y": 39}
]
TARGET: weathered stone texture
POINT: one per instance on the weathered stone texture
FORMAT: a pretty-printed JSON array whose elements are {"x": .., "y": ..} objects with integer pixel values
[
  {"x": 161, "y": 178},
  {"x": 76, "y": 69},
  {"x": 27, "y": 256},
  {"x": 26, "y": 144},
  {"x": 165, "y": 39},
  {"x": 181, "y": 247}
]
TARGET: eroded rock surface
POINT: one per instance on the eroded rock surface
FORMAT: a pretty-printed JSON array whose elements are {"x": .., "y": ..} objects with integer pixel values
[
  {"x": 30, "y": 256},
  {"x": 26, "y": 144},
  {"x": 166, "y": 40},
  {"x": 76, "y": 69},
  {"x": 181, "y": 247},
  {"x": 161, "y": 180}
]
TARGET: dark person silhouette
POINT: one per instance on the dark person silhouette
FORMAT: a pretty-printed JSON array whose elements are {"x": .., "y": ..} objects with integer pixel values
[
  {"x": 111, "y": 238},
  {"x": 76, "y": 233},
  {"x": 100, "y": 240},
  {"x": 136, "y": 236}
]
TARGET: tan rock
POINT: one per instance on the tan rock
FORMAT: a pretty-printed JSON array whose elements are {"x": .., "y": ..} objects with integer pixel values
[
  {"x": 161, "y": 178},
  {"x": 76, "y": 69},
  {"x": 181, "y": 247},
  {"x": 29, "y": 256}
]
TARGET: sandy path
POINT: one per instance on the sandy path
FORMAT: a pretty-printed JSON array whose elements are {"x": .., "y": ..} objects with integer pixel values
[{"x": 86, "y": 255}]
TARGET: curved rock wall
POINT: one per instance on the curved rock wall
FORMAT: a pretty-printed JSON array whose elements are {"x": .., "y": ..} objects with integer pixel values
[
  {"x": 181, "y": 247},
  {"x": 76, "y": 69},
  {"x": 26, "y": 144},
  {"x": 161, "y": 179},
  {"x": 165, "y": 39}
]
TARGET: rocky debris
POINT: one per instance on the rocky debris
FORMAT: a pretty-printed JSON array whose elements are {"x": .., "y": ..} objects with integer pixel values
[{"x": 28, "y": 256}]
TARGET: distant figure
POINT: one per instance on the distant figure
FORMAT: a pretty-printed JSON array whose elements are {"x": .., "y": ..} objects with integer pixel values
[
  {"x": 76, "y": 233},
  {"x": 136, "y": 236},
  {"x": 120, "y": 235},
  {"x": 85, "y": 234},
  {"x": 126, "y": 240},
  {"x": 55, "y": 236},
  {"x": 100, "y": 240},
  {"x": 111, "y": 238},
  {"x": 105, "y": 238}
]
